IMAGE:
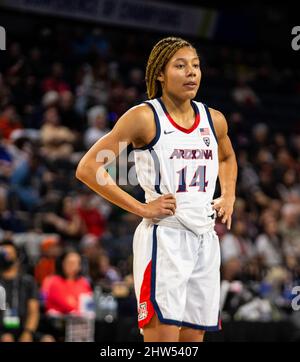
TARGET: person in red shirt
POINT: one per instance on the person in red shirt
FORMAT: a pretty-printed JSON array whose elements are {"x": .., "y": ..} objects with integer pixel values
[
  {"x": 9, "y": 121},
  {"x": 65, "y": 291},
  {"x": 56, "y": 79},
  {"x": 89, "y": 213},
  {"x": 45, "y": 267}
]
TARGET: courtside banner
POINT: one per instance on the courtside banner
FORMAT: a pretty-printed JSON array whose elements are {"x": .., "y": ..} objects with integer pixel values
[{"x": 158, "y": 16}]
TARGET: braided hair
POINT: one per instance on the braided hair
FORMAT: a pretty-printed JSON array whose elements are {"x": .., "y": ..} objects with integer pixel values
[{"x": 161, "y": 53}]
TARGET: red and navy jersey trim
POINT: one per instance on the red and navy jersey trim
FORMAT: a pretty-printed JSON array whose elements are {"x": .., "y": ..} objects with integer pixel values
[{"x": 180, "y": 128}]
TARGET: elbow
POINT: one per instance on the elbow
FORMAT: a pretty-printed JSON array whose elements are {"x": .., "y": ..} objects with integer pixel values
[
  {"x": 81, "y": 171},
  {"x": 230, "y": 158},
  {"x": 87, "y": 172}
]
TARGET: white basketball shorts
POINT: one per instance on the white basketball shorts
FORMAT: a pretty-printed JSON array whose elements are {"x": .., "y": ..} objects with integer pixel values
[{"x": 177, "y": 276}]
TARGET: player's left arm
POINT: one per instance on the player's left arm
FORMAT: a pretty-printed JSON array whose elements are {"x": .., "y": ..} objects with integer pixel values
[{"x": 227, "y": 169}]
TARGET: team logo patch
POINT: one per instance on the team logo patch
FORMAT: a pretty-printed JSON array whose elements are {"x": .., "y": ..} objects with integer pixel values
[
  {"x": 206, "y": 141},
  {"x": 143, "y": 312}
]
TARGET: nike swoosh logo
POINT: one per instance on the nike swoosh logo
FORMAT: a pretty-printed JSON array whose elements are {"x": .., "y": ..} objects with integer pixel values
[
  {"x": 168, "y": 132},
  {"x": 212, "y": 216}
]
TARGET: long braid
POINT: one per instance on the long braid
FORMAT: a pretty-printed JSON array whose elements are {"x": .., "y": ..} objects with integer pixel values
[{"x": 161, "y": 53}]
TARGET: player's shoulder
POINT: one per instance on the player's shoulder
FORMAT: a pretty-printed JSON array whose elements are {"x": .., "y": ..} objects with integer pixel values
[
  {"x": 219, "y": 122},
  {"x": 216, "y": 115},
  {"x": 142, "y": 110},
  {"x": 136, "y": 124},
  {"x": 137, "y": 116}
]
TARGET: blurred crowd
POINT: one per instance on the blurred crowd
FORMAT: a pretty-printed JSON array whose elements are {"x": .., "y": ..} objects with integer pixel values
[{"x": 66, "y": 251}]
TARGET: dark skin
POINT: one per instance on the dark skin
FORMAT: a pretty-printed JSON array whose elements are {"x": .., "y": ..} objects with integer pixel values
[{"x": 182, "y": 68}]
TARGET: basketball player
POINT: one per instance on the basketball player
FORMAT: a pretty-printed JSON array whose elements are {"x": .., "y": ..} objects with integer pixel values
[{"x": 181, "y": 146}]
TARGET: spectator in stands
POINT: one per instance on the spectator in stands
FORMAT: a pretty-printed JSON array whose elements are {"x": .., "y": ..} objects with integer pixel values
[
  {"x": 237, "y": 250},
  {"x": 10, "y": 223},
  {"x": 9, "y": 120},
  {"x": 243, "y": 94},
  {"x": 92, "y": 88},
  {"x": 69, "y": 117},
  {"x": 45, "y": 267},
  {"x": 56, "y": 80},
  {"x": 290, "y": 230},
  {"x": 20, "y": 320},
  {"x": 284, "y": 161},
  {"x": 267, "y": 184},
  {"x": 25, "y": 182},
  {"x": 260, "y": 134},
  {"x": 64, "y": 292},
  {"x": 89, "y": 247},
  {"x": 289, "y": 188},
  {"x": 67, "y": 222},
  {"x": 103, "y": 273},
  {"x": 90, "y": 214},
  {"x": 269, "y": 244},
  {"x": 97, "y": 125},
  {"x": 57, "y": 140}
]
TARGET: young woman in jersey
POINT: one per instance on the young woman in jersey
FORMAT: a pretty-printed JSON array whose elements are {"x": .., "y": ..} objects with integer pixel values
[{"x": 181, "y": 147}]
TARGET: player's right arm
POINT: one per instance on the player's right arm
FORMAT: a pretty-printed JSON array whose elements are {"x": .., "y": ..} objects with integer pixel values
[{"x": 136, "y": 126}]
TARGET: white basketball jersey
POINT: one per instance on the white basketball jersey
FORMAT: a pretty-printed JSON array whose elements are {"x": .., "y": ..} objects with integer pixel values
[{"x": 183, "y": 162}]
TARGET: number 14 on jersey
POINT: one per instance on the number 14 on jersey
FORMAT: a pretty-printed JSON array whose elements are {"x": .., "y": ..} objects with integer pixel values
[{"x": 198, "y": 179}]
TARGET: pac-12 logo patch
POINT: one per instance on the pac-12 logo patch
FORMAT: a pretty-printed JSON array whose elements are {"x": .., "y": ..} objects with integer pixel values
[
  {"x": 206, "y": 141},
  {"x": 142, "y": 311}
]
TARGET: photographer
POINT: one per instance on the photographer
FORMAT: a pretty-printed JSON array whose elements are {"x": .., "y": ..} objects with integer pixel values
[{"x": 20, "y": 319}]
